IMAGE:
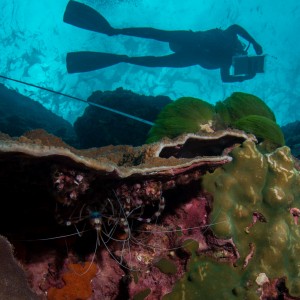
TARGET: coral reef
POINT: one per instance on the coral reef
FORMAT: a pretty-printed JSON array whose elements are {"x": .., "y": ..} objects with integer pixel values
[
  {"x": 242, "y": 111},
  {"x": 199, "y": 215},
  {"x": 110, "y": 198},
  {"x": 256, "y": 203}
]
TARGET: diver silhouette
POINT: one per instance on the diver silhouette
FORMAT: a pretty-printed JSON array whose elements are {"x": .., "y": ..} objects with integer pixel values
[{"x": 211, "y": 49}]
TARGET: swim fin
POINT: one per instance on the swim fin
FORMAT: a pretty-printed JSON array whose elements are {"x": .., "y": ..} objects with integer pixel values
[
  {"x": 83, "y": 16},
  {"x": 86, "y": 61}
]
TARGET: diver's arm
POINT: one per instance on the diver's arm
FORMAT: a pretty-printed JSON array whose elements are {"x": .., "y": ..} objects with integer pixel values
[
  {"x": 226, "y": 77},
  {"x": 236, "y": 29}
]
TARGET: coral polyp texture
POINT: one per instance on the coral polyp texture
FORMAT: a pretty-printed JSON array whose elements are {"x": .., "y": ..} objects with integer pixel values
[
  {"x": 204, "y": 214},
  {"x": 241, "y": 110},
  {"x": 256, "y": 203}
]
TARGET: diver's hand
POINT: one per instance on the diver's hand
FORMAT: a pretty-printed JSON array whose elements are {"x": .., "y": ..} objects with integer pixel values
[
  {"x": 258, "y": 48},
  {"x": 245, "y": 77}
]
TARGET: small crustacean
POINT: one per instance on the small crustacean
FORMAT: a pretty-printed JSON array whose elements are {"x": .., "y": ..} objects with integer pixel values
[{"x": 110, "y": 211}]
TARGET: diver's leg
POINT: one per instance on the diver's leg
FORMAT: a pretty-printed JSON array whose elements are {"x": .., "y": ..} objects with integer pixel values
[
  {"x": 175, "y": 60},
  {"x": 156, "y": 34},
  {"x": 86, "y": 61},
  {"x": 83, "y": 16}
]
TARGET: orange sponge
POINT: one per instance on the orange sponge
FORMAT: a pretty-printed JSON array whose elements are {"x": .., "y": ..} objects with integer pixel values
[{"x": 77, "y": 283}]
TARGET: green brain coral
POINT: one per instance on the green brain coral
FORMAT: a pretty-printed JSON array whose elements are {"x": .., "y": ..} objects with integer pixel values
[{"x": 253, "y": 187}]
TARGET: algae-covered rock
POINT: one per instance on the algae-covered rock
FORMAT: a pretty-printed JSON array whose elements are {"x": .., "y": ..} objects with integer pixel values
[{"x": 258, "y": 195}]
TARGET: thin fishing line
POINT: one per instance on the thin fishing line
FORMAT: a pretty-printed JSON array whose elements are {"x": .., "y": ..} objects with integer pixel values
[{"x": 81, "y": 100}]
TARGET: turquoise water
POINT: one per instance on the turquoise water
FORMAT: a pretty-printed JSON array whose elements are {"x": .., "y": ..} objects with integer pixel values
[{"x": 35, "y": 41}]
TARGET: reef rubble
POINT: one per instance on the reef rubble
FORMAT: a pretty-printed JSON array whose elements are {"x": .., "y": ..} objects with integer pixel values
[{"x": 117, "y": 222}]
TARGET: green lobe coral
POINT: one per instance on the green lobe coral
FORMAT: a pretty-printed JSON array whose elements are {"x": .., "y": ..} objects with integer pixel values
[
  {"x": 268, "y": 186},
  {"x": 254, "y": 195}
]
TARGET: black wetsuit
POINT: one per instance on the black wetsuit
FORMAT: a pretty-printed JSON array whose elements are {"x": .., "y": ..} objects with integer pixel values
[{"x": 211, "y": 49}]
